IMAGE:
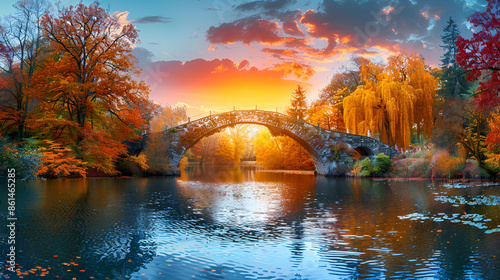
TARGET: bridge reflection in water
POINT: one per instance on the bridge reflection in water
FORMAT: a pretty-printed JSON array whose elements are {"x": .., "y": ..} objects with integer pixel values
[{"x": 245, "y": 224}]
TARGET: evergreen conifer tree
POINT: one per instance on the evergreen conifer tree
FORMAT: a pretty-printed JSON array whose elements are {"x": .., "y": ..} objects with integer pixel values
[
  {"x": 298, "y": 104},
  {"x": 452, "y": 75}
]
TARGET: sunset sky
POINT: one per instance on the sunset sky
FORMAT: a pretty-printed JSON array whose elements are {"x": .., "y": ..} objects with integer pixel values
[{"x": 213, "y": 54}]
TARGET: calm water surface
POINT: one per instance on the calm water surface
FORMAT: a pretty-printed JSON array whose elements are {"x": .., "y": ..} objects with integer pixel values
[{"x": 242, "y": 224}]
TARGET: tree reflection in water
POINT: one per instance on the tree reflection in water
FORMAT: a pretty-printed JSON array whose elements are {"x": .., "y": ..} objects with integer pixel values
[{"x": 241, "y": 224}]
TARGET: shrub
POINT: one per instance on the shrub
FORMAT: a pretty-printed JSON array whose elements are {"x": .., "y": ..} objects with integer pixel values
[
  {"x": 366, "y": 167},
  {"x": 493, "y": 162},
  {"x": 356, "y": 169},
  {"x": 133, "y": 165},
  {"x": 418, "y": 168},
  {"x": 382, "y": 164},
  {"x": 446, "y": 165}
]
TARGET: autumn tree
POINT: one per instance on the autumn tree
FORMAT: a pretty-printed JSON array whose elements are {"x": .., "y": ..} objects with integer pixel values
[
  {"x": 239, "y": 137},
  {"x": 167, "y": 116},
  {"x": 268, "y": 151},
  {"x": 281, "y": 152},
  {"x": 393, "y": 102},
  {"x": 203, "y": 150},
  {"x": 480, "y": 55},
  {"x": 164, "y": 117},
  {"x": 298, "y": 104},
  {"x": 492, "y": 142},
  {"x": 95, "y": 102},
  {"x": 328, "y": 109},
  {"x": 326, "y": 116},
  {"x": 472, "y": 139},
  {"x": 22, "y": 48},
  {"x": 451, "y": 118},
  {"x": 224, "y": 150}
]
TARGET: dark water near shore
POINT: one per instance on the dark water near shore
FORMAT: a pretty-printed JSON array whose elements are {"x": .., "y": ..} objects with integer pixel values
[{"x": 242, "y": 224}]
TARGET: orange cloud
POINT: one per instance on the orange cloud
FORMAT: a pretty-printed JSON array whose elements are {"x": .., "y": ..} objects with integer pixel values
[
  {"x": 300, "y": 71},
  {"x": 211, "y": 48},
  {"x": 222, "y": 83}
]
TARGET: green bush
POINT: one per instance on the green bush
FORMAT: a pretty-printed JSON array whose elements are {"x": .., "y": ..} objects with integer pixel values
[
  {"x": 366, "y": 167},
  {"x": 382, "y": 164}
]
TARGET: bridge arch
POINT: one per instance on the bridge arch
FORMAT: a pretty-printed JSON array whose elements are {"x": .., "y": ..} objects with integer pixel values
[
  {"x": 364, "y": 151},
  {"x": 265, "y": 118},
  {"x": 317, "y": 141}
]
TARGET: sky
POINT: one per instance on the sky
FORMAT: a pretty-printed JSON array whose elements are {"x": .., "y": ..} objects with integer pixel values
[{"x": 216, "y": 54}]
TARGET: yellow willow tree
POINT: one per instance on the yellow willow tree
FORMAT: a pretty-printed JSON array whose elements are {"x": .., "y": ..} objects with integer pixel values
[{"x": 399, "y": 99}]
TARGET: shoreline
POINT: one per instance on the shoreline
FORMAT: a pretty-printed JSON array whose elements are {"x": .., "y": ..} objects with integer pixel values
[{"x": 283, "y": 171}]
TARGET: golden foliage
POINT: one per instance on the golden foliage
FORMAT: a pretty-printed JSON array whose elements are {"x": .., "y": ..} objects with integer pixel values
[
  {"x": 399, "y": 98},
  {"x": 281, "y": 152},
  {"x": 445, "y": 165},
  {"x": 58, "y": 163},
  {"x": 267, "y": 151},
  {"x": 493, "y": 163},
  {"x": 140, "y": 161},
  {"x": 224, "y": 151},
  {"x": 327, "y": 116}
]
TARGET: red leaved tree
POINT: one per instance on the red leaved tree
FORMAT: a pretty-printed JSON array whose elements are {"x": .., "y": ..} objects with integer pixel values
[{"x": 481, "y": 54}]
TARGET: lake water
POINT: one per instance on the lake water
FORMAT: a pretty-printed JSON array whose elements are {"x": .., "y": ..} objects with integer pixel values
[{"x": 236, "y": 223}]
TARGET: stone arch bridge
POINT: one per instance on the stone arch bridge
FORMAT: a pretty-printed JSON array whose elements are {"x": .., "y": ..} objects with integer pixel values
[{"x": 329, "y": 149}]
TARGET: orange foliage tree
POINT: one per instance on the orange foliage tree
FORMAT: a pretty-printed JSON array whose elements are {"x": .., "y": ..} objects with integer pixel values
[
  {"x": 392, "y": 102},
  {"x": 91, "y": 100},
  {"x": 445, "y": 165},
  {"x": 327, "y": 116},
  {"x": 267, "y": 151},
  {"x": 281, "y": 152},
  {"x": 22, "y": 48},
  {"x": 224, "y": 150},
  {"x": 58, "y": 162},
  {"x": 493, "y": 142}
]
